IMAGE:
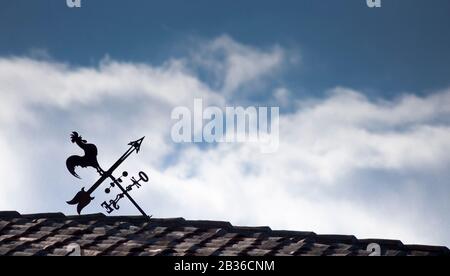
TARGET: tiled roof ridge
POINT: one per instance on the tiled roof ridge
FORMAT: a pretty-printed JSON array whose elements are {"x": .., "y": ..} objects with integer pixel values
[{"x": 242, "y": 230}]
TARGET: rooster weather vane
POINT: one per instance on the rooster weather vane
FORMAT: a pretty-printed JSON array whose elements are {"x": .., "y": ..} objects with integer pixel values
[{"x": 83, "y": 198}]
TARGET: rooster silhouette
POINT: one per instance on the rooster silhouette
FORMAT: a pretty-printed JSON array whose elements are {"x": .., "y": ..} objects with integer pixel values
[{"x": 88, "y": 160}]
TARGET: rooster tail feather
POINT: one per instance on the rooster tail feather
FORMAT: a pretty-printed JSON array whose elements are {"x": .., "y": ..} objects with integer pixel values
[{"x": 71, "y": 163}]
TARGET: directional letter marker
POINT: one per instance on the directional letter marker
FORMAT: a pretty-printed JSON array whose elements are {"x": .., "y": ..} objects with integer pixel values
[{"x": 83, "y": 198}]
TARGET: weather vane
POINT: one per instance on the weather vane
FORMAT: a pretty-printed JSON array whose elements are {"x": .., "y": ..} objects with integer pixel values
[{"x": 83, "y": 198}]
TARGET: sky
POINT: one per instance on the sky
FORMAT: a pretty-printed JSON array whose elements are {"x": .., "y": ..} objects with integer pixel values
[{"x": 364, "y": 98}]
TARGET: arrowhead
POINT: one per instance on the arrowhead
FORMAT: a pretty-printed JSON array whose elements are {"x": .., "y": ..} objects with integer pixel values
[{"x": 137, "y": 144}]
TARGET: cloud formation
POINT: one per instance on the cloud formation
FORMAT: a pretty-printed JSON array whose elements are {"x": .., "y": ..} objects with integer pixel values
[
  {"x": 233, "y": 66},
  {"x": 346, "y": 164}
]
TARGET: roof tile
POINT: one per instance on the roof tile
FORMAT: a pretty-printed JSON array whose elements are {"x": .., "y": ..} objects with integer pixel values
[{"x": 51, "y": 233}]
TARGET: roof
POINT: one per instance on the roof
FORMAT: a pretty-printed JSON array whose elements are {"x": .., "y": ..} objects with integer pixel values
[{"x": 97, "y": 234}]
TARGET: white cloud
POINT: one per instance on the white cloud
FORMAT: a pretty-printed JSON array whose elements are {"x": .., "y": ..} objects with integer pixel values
[
  {"x": 346, "y": 164},
  {"x": 236, "y": 65},
  {"x": 282, "y": 96}
]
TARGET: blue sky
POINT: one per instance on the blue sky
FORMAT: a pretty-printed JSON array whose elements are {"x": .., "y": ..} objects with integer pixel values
[
  {"x": 364, "y": 97},
  {"x": 380, "y": 51}
]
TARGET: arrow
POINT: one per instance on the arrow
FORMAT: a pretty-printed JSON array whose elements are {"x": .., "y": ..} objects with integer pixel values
[{"x": 83, "y": 198}]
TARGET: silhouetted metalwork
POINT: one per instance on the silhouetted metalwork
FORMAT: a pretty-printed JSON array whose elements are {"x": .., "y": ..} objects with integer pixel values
[
  {"x": 83, "y": 198},
  {"x": 113, "y": 204},
  {"x": 88, "y": 160}
]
